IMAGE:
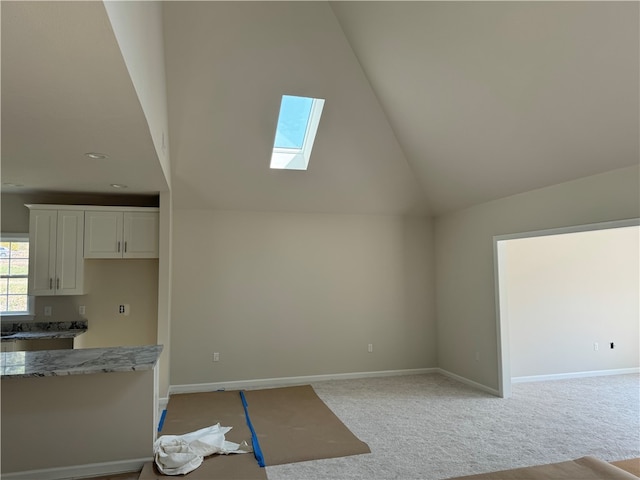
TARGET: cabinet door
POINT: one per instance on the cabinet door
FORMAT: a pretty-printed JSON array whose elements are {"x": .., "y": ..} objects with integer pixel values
[
  {"x": 42, "y": 251},
  {"x": 141, "y": 234},
  {"x": 69, "y": 260},
  {"x": 103, "y": 234}
]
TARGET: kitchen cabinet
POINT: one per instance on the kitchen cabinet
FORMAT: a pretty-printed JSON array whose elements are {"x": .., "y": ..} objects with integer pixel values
[
  {"x": 121, "y": 234},
  {"x": 56, "y": 263}
]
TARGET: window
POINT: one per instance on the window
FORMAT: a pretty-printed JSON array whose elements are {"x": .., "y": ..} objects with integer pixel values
[
  {"x": 296, "y": 131},
  {"x": 14, "y": 275}
]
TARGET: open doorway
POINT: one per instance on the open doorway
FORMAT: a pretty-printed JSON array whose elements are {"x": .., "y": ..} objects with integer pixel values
[{"x": 567, "y": 302}]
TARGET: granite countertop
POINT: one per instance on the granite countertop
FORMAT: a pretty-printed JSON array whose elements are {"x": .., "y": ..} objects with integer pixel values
[
  {"x": 50, "y": 363},
  {"x": 41, "y": 330}
]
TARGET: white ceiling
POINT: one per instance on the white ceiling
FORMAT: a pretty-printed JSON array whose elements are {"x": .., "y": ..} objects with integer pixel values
[
  {"x": 430, "y": 106},
  {"x": 489, "y": 99},
  {"x": 66, "y": 91}
]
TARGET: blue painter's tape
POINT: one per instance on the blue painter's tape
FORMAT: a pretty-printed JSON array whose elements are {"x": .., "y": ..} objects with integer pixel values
[
  {"x": 257, "y": 451},
  {"x": 161, "y": 423}
]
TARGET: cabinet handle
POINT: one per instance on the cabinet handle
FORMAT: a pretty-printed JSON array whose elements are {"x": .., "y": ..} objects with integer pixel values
[
  {"x": 50, "y": 283},
  {"x": 58, "y": 283},
  {"x": 118, "y": 246},
  {"x": 125, "y": 247}
]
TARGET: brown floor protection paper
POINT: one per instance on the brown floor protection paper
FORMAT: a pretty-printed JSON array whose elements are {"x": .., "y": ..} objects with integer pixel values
[
  {"x": 191, "y": 411},
  {"x": 294, "y": 425},
  {"x": 631, "y": 465},
  {"x": 585, "y": 468}
]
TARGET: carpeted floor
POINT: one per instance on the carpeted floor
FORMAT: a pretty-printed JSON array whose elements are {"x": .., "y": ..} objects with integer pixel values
[{"x": 431, "y": 427}]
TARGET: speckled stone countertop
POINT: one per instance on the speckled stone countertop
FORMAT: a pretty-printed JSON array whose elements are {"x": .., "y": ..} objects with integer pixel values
[
  {"x": 50, "y": 363},
  {"x": 41, "y": 330}
]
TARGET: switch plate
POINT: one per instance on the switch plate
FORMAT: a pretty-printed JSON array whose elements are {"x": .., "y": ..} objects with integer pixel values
[
  {"x": 47, "y": 311},
  {"x": 81, "y": 310},
  {"x": 595, "y": 346},
  {"x": 216, "y": 357},
  {"x": 370, "y": 348}
]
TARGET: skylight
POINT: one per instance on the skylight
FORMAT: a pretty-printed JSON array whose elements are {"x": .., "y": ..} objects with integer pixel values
[{"x": 297, "y": 127}]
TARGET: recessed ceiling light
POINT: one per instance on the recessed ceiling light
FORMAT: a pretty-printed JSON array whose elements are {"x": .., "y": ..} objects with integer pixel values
[
  {"x": 96, "y": 155},
  {"x": 118, "y": 185}
]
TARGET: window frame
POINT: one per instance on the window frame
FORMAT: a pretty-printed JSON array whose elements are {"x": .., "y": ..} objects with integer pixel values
[
  {"x": 298, "y": 158},
  {"x": 29, "y": 313}
]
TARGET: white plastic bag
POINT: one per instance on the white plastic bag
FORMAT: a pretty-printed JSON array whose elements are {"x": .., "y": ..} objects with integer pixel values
[{"x": 181, "y": 454}]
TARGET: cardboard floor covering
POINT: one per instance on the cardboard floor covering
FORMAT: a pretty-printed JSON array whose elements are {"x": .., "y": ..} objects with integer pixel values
[
  {"x": 631, "y": 465},
  {"x": 191, "y": 411},
  {"x": 585, "y": 468},
  {"x": 292, "y": 425}
]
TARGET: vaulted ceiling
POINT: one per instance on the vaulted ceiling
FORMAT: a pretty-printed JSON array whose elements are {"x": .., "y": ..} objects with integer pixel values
[{"x": 430, "y": 106}]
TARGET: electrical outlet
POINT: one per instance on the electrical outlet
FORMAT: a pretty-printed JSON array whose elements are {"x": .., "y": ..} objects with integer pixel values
[
  {"x": 123, "y": 309},
  {"x": 216, "y": 357},
  {"x": 47, "y": 311},
  {"x": 81, "y": 310},
  {"x": 370, "y": 348},
  {"x": 595, "y": 346}
]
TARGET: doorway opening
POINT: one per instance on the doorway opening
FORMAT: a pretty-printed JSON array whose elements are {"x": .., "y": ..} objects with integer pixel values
[{"x": 567, "y": 302}]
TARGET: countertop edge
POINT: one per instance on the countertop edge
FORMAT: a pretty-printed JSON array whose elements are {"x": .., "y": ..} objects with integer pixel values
[{"x": 59, "y": 363}]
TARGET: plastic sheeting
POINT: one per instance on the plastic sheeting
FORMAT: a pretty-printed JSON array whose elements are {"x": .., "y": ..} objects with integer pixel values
[{"x": 181, "y": 454}]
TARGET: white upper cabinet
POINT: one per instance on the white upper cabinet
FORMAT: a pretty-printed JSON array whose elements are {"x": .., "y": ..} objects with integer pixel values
[
  {"x": 140, "y": 234},
  {"x": 56, "y": 264},
  {"x": 121, "y": 234}
]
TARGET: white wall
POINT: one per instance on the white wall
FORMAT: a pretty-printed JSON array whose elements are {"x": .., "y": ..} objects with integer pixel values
[
  {"x": 465, "y": 292},
  {"x": 567, "y": 292},
  {"x": 281, "y": 295}
]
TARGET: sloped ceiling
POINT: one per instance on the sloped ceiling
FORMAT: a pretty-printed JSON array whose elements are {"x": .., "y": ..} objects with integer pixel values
[
  {"x": 228, "y": 64},
  {"x": 430, "y": 106},
  {"x": 490, "y": 99}
]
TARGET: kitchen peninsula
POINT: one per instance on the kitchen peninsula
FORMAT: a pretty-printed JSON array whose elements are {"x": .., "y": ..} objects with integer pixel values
[{"x": 73, "y": 413}]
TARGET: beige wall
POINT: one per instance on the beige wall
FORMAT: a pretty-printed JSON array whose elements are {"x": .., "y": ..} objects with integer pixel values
[
  {"x": 566, "y": 292},
  {"x": 281, "y": 295},
  {"x": 111, "y": 283},
  {"x": 164, "y": 291},
  {"x": 74, "y": 420},
  {"x": 465, "y": 292}
]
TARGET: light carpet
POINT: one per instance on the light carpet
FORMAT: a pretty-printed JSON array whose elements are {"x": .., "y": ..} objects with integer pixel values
[{"x": 432, "y": 427}]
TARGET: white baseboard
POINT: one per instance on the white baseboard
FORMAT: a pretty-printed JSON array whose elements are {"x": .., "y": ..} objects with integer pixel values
[
  {"x": 471, "y": 383},
  {"x": 284, "y": 381},
  {"x": 80, "y": 471},
  {"x": 565, "y": 376}
]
